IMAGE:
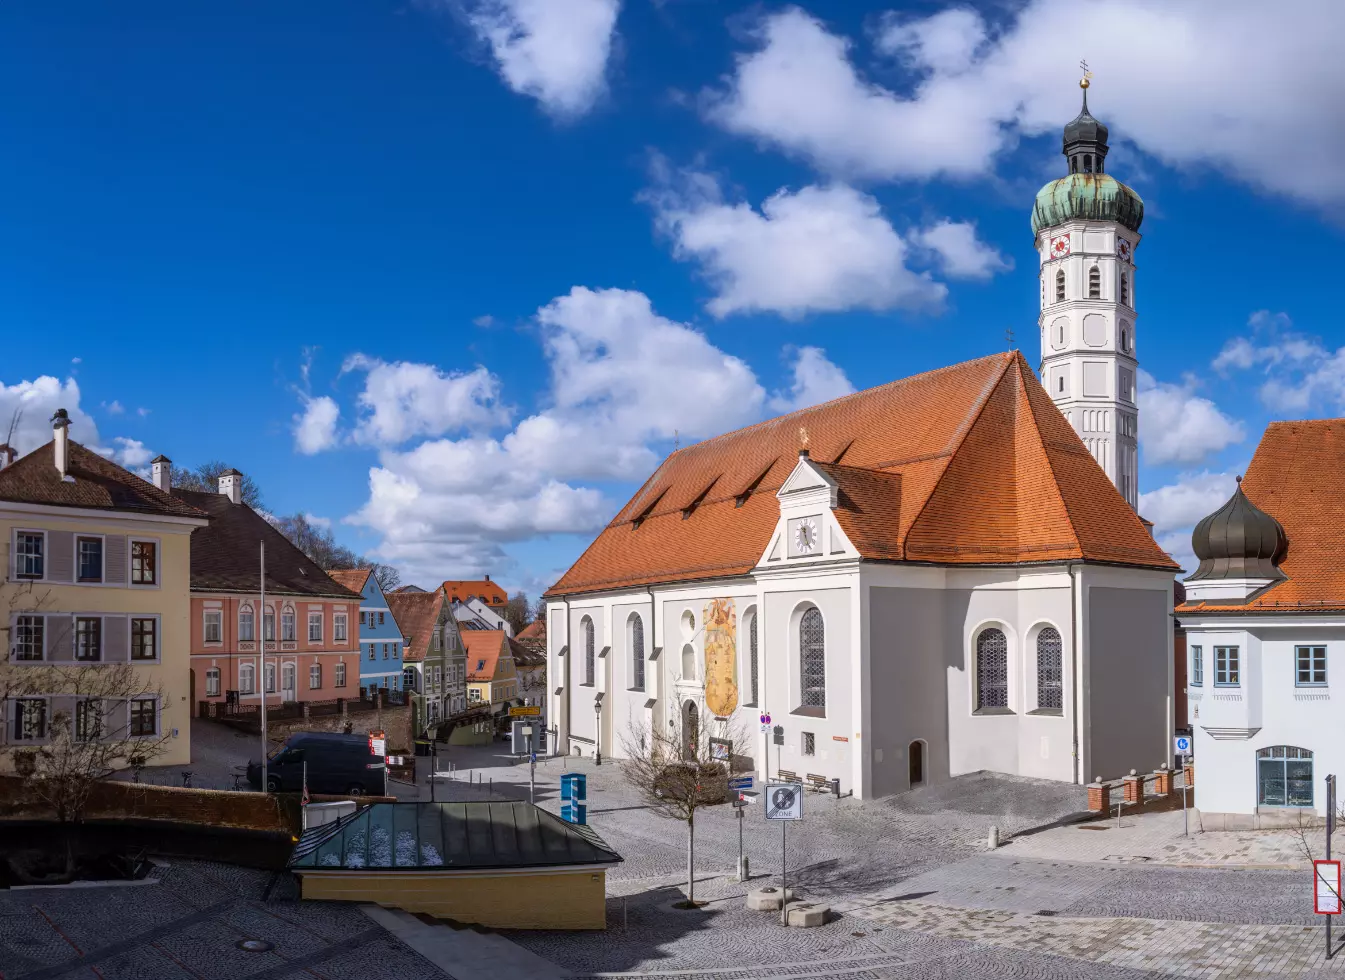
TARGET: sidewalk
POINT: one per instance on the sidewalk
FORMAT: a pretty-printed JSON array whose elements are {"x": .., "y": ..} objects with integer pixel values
[{"x": 1156, "y": 838}]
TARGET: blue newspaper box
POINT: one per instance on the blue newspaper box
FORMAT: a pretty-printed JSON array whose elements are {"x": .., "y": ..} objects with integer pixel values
[{"x": 573, "y": 793}]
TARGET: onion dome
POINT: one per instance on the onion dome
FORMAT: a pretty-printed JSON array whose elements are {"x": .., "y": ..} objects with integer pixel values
[
  {"x": 1239, "y": 541},
  {"x": 1087, "y": 193}
]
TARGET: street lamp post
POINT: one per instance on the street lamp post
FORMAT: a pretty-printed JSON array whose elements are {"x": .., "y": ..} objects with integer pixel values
[{"x": 597, "y": 717}]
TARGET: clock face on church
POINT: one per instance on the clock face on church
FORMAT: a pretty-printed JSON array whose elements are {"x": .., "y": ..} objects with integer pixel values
[
  {"x": 805, "y": 536},
  {"x": 1059, "y": 246},
  {"x": 1123, "y": 248}
]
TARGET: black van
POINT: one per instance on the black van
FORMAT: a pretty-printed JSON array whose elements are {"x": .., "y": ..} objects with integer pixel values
[{"x": 337, "y": 763}]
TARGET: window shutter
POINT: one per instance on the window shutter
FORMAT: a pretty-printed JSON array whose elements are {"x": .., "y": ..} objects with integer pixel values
[
  {"x": 60, "y": 556},
  {"x": 59, "y": 638},
  {"x": 115, "y": 557},
  {"x": 116, "y": 639}
]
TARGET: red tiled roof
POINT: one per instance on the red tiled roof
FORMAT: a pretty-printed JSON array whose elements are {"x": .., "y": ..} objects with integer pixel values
[
  {"x": 1297, "y": 476},
  {"x": 226, "y": 554},
  {"x": 417, "y": 613},
  {"x": 489, "y": 592},
  {"x": 483, "y": 646},
  {"x": 354, "y": 579},
  {"x": 536, "y": 630},
  {"x": 969, "y": 464},
  {"x": 98, "y": 484}
]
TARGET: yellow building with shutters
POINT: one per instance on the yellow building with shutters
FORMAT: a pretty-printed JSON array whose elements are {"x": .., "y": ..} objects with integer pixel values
[
  {"x": 97, "y": 572},
  {"x": 491, "y": 675}
]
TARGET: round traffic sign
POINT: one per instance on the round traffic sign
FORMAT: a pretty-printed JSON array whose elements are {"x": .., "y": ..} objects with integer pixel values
[
  {"x": 765, "y": 718},
  {"x": 783, "y": 798}
]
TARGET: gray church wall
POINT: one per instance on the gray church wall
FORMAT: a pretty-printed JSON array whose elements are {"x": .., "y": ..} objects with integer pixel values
[
  {"x": 907, "y": 699},
  {"x": 1130, "y": 671}
]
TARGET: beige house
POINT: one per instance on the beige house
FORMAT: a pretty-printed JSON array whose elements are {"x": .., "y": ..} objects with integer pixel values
[{"x": 97, "y": 570}]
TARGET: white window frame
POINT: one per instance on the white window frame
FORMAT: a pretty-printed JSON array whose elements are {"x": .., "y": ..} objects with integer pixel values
[
  {"x": 12, "y": 720},
  {"x": 314, "y": 619},
  {"x": 158, "y": 639},
  {"x": 212, "y": 682},
  {"x": 315, "y": 671},
  {"x": 251, "y": 687},
  {"x": 45, "y": 557},
  {"x": 289, "y": 626},
  {"x": 35, "y": 620},
  {"x": 269, "y": 677},
  {"x": 74, "y": 634},
  {"x": 131, "y": 542},
  {"x": 102, "y": 559},
  {"x": 218, "y": 623},
  {"x": 339, "y": 675},
  {"x": 247, "y": 614},
  {"x": 340, "y": 627},
  {"x": 100, "y": 726}
]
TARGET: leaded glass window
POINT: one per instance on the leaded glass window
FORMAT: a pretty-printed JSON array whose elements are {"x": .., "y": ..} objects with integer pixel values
[
  {"x": 1049, "y": 670},
  {"x": 1284, "y": 776},
  {"x": 813, "y": 658},
  {"x": 637, "y": 652},
  {"x": 590, "y": 668},
  {"x": 992, "y": 669},
  {"x": 752, "y": 656}
]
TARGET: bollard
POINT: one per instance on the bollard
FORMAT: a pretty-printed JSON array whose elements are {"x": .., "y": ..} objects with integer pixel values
[
  {"x": 1133, "y": 788},
  {"x": 992, "y": 842},
  {"x": 1099, "y": 796}
]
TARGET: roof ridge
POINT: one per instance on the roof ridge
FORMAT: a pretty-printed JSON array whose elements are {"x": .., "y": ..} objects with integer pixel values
[
  {"x": 1020, "y": 362},
  {"x": 957, "y": 441},
  {"x": 961, "y": 365}
]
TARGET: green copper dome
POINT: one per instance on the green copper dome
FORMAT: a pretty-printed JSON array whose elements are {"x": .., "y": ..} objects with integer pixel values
[{"x": 1090, "y": 197}]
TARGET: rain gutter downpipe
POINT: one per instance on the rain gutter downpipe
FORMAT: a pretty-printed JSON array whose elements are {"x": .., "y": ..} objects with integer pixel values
[{"x": 1076, "y": 722}]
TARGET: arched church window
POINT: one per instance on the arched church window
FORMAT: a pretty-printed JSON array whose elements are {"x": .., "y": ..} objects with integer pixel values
[
  {"x": 992, "y": 669},
  {"x": 1125, "y": 341},
  {"x": 752, "y": 663},
  {"x": 1125, "y": 289},
  {"x": 812, "y": 658},
  {"x": 589, "y": 666},
  {"x": 637, "y": 652},
  {"x": 1049, "y": 670},
  {"x": 1060, "y": 285},
  {"x": 1094, "y": 283}
]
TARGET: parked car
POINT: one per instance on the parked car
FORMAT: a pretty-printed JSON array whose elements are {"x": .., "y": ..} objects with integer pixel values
[{"x": 336, "y": 763}]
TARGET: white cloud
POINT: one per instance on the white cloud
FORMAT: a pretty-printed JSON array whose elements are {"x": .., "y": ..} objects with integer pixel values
[
  {"x": 960, "y": 254},
  {"x": 485, "y": 320},
  {"x": 815, "y": 249},
  {"x": 402, "y": 400},
  {"x": 315, "y": 428},
  {"x": 316, "y": 521},
  {"x": 131, "y": 453},
  {"x": 142, "y": 412},
  {"x": 622, "y": 377},
  {"x": 816, "y": 380},
  {"x": 29, "y": 406},
  {"x": 555, "y": 51},
  {"x": 1176, "y": 509},
  {"x": 113, "y": 407},
  {"x": 1301, "y": 374},
  {"x": 1197, "y": 84},
  {"x": 1179, "y": 426}
]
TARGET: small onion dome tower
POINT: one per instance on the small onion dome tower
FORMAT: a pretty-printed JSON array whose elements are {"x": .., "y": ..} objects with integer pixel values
[{"x": 1239, "y": 541}]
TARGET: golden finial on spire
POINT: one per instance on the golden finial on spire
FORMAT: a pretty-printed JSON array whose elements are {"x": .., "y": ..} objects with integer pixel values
[{"x": 1087, "y": 75}]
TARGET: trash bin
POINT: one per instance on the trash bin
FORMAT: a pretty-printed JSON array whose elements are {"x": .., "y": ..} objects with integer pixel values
[{"x": 422, "y": 746}]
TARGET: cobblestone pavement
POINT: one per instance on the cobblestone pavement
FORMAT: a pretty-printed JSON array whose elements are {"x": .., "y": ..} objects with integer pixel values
[
  {"x": 1156, "y": 838},
  {"x": 186, "y": 924}
]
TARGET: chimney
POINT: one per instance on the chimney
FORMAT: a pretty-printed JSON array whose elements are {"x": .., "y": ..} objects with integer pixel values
[
  {"x": 231, "y": 485},
  {"x": 7, "y": 454},
  {"x": 161, "y": 472},
  {"x": 487, "y": 578},
  {"x": 60, "y": 426}
]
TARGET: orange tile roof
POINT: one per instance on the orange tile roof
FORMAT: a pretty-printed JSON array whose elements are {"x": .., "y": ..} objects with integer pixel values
[
  {"x": 1298, "y": 477},
  {"x": 354, "y": 579},
  {"x": 483, "y": 646},
  {"x": 490, "y": 592},
  {"x": 536, "y": 630},
  {"x": 417, "y": 614},
  {"x": 969, "y": 464}
]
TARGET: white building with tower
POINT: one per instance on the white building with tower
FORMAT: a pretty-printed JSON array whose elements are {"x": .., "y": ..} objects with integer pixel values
[
  {"x": 928, "y": 578},
  {"x": 1087, "y": 231}
]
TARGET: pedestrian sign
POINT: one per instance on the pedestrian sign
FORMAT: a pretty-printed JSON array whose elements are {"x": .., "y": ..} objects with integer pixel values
[
  {"x": 784, "y": 801},
  {"x": 1182, "y": 744}
]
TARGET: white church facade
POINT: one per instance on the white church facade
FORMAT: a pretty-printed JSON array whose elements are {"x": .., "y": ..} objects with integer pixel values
[{"x": 932, "y": 577}]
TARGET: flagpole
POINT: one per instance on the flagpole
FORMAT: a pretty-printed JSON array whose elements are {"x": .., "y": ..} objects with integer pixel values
[{"x": 262, "y": 647}]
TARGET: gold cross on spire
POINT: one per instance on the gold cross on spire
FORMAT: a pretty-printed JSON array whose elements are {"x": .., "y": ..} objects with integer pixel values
[{"x": 1087, "y": 75}]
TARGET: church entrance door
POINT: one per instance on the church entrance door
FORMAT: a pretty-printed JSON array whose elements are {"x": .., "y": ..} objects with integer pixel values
[
  {"x": 691, "y": 735},
  {"x": 916, "y": 758}
]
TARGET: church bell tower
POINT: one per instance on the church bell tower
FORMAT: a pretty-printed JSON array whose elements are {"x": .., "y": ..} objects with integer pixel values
[{"x": 1087, "y": 230}]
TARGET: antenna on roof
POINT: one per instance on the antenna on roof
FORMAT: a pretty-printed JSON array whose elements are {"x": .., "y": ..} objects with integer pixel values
[{"x": 1008, "y": 337}]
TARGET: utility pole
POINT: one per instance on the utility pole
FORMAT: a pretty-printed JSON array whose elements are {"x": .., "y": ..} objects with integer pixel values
[{"x": 262, "y": 679}]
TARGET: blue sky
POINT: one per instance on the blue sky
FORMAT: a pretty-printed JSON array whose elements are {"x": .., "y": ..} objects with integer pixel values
[{"x": 452, "y": 274}]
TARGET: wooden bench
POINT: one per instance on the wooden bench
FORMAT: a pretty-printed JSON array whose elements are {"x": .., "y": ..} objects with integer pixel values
[
  {"x": 785, "y": 776},
  {"x": 822, "y": 784}
]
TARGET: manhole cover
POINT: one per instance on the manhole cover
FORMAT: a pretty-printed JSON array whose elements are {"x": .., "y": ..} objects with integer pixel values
[{"x": 255, "y": 945}]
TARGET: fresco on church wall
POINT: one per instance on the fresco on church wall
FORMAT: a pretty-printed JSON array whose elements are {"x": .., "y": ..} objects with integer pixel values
[{"x": 721, "y": 657}]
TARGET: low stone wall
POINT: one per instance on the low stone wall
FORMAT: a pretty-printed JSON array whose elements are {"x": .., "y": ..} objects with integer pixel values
[
  {"x": 1288, "y": 819},
  {"x": 395, "y": 721}
]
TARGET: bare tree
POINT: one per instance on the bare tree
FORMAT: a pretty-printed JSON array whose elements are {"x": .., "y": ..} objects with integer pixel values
[
  {"x": 680, "y": 769},
  {"x": 539, "y": 609},
  {"x": 517, "y": 611},
  {"x": 320, "y": 544},
  {"x": 205, "y": 478},
  {"x": 73, "y": 724},
  {"x": 388, "y": 577}
]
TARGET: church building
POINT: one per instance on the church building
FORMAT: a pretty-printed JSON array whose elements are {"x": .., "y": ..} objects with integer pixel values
[{"x": 939, "y": 575}]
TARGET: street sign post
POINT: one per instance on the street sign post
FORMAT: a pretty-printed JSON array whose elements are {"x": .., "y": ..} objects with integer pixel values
[
  {"x": 784, "y": 802},
  {"x": 525, "y": 711},
  {"x": 778, "y": 736},
  {"x": 740, "y": 783},
  {"x": 1326, "y": 874},
  {"x": 765, "y": 719},
  {"x": 1182, "y": 747}
]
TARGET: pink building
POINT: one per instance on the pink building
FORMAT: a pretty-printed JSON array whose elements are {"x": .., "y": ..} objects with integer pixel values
[{"x": 310, "y": 623}]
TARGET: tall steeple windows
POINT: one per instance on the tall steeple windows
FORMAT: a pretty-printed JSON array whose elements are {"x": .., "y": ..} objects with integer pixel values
[{"x": 1094, "y": 283}]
